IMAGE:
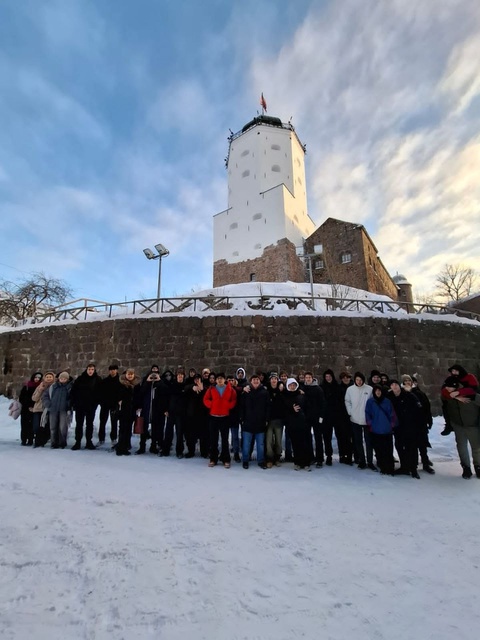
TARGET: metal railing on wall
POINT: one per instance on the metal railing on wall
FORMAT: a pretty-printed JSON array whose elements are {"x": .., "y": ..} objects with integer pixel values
[{"x": 205, "y": 304}]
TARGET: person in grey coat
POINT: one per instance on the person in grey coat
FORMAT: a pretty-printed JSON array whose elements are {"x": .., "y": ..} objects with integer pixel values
[{"x": 56, "y": 399}]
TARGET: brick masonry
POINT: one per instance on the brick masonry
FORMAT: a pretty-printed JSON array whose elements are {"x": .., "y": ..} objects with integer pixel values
[
  {"x": 273, "y": 343},
  {"x": 365, "y": 271},
  {"x": 278, "y": 263}
]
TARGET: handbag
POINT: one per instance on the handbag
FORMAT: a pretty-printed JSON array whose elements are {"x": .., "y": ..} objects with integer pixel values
[
  {"x": 138, "y": 425},
  {"x": 15, "y": 409}
]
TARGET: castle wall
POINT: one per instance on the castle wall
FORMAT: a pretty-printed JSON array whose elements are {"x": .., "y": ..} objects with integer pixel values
[
  {"x": 293, "y": 342},
  {"x": 278, "y": 263}
]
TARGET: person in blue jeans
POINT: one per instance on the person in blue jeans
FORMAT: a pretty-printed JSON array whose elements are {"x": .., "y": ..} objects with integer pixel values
[
  {"x": 235, "y": 419},
  {"x": 254, "y": 414}
]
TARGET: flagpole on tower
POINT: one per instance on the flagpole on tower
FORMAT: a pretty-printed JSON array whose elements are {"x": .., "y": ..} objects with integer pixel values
[{"x": 263, "y": 104}]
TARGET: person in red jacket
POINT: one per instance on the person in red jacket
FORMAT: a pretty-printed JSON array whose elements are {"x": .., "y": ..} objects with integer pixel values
[{"x": 219, "y": 399}]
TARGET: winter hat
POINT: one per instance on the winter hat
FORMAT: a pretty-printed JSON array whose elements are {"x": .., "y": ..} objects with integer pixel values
[
  {"x": 273, "y": 375},
  {"x": 375, "y": 372},
  {"x": 64, "y": 376},
  {"x": 462, "y": 372},
  {"x": 290, "y": 381},
  {"x": 378, "y": 386},
  {"x": 242, "y": 370},
  {"x": 407, "y": 378},
  {"x": 394, "y": 381}
]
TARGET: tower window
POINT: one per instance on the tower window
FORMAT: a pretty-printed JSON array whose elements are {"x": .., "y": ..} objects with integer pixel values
[
  {"x": 276, "y": 168},
  {"x": 246, "y": 173},
  {"x": 346, "y": 257},
  {"x": 234, "y": 225},
  {"x": 253, "y": 277},
  {"x": 245, "y": 153},
  {"x": 257, "y": 216},
  {"x": 275, "y": 147}
]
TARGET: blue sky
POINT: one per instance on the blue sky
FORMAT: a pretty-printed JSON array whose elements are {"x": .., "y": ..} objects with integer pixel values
[{"x": 115, "y": 116}]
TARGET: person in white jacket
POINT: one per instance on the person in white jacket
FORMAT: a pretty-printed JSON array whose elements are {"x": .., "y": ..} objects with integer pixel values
[{"x": 355, "y": 401}]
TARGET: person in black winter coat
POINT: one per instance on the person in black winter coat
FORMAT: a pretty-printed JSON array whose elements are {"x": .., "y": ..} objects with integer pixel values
[
  {"x": 423, "y": 442},
  {"x": 85, "y": 399},
  {"x": 332, "y": 409},
  {"x": 254, "y": 415},
  {"x": 343, "y": 429},
  {"x": 177, "y": 411},
  {"x": 161, "y": 411},
  {"x": 109, "y": 396},
  {"x": 26, "y": 415},
  {"x": 314, "y": 413},
  {"x": 130, "y": 402},
  {"x": 150, "y": 408},
  {"x": 196, "y": 416},
  {"x": 274, "y": 434},
  {"x": 409, "y": 430},
  {"x": 296, "y": 424}
]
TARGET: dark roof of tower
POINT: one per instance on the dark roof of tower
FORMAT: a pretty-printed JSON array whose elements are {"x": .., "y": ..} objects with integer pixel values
[{"x": 271, "y": 120}]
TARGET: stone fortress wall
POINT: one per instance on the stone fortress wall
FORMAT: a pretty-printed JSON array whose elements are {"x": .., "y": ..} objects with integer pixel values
[{"x": 396, "y": 346}]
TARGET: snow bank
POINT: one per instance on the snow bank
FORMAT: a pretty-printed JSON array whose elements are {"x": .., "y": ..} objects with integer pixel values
[{"x": 100, "y": 547}]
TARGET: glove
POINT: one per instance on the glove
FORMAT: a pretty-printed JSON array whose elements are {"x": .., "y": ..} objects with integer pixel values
[{"x": 320, "y": 420}]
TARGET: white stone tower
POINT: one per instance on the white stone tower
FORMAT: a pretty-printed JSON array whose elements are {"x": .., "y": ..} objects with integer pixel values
[{"x": 267, "y": 217}]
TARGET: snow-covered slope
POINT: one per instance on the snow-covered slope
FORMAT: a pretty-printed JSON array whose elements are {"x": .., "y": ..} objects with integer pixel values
[{"x": 98, "y": 547}]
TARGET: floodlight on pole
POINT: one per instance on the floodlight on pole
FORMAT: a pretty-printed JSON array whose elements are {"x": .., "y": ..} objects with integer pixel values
[{"x": 162, "y": 252}]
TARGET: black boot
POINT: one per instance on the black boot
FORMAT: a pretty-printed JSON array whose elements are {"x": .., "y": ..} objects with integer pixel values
[
  {"x": 415, "y": 475},
  {"x": 428, "y": 469},
  {"x": 90, "y": 446},
  {"x": 236, "y": 457},
  {"x": 447, "y": 431},
  {"x": 477, "y": 471},
  {"x": 467, "y": 472},
  {"x": 76, "y": 446},
  {"x": 140, "y": 451}
]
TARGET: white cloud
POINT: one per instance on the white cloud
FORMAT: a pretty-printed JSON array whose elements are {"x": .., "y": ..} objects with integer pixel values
[{"x": 376, "y": 90}]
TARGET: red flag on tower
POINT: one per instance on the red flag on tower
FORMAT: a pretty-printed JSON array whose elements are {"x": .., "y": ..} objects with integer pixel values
[{"x": 263, "y": 103}]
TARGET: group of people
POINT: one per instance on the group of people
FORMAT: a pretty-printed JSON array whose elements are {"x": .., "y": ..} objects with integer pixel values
[{"x": 285, "y": 417}]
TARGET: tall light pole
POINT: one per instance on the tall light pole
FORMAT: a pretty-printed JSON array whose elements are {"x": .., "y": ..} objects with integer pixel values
[
  {"x": 162, "y": 252},
  {"x": 317, "y": 251}
]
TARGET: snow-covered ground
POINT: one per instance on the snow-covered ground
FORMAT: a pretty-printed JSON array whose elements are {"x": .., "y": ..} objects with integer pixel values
[{"x": 95, "y": 546}]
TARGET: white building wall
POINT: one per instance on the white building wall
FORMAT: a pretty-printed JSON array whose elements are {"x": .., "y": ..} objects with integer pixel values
[{"x": 267, "y": 198}]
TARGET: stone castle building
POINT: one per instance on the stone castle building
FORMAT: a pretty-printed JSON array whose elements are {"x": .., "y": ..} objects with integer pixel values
[{"x": 266, "y": 234}]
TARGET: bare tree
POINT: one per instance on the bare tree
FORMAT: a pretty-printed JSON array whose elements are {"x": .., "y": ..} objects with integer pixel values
[
  {"x": 24, "y": 299},
  {"x": 456, "y": 281}
]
